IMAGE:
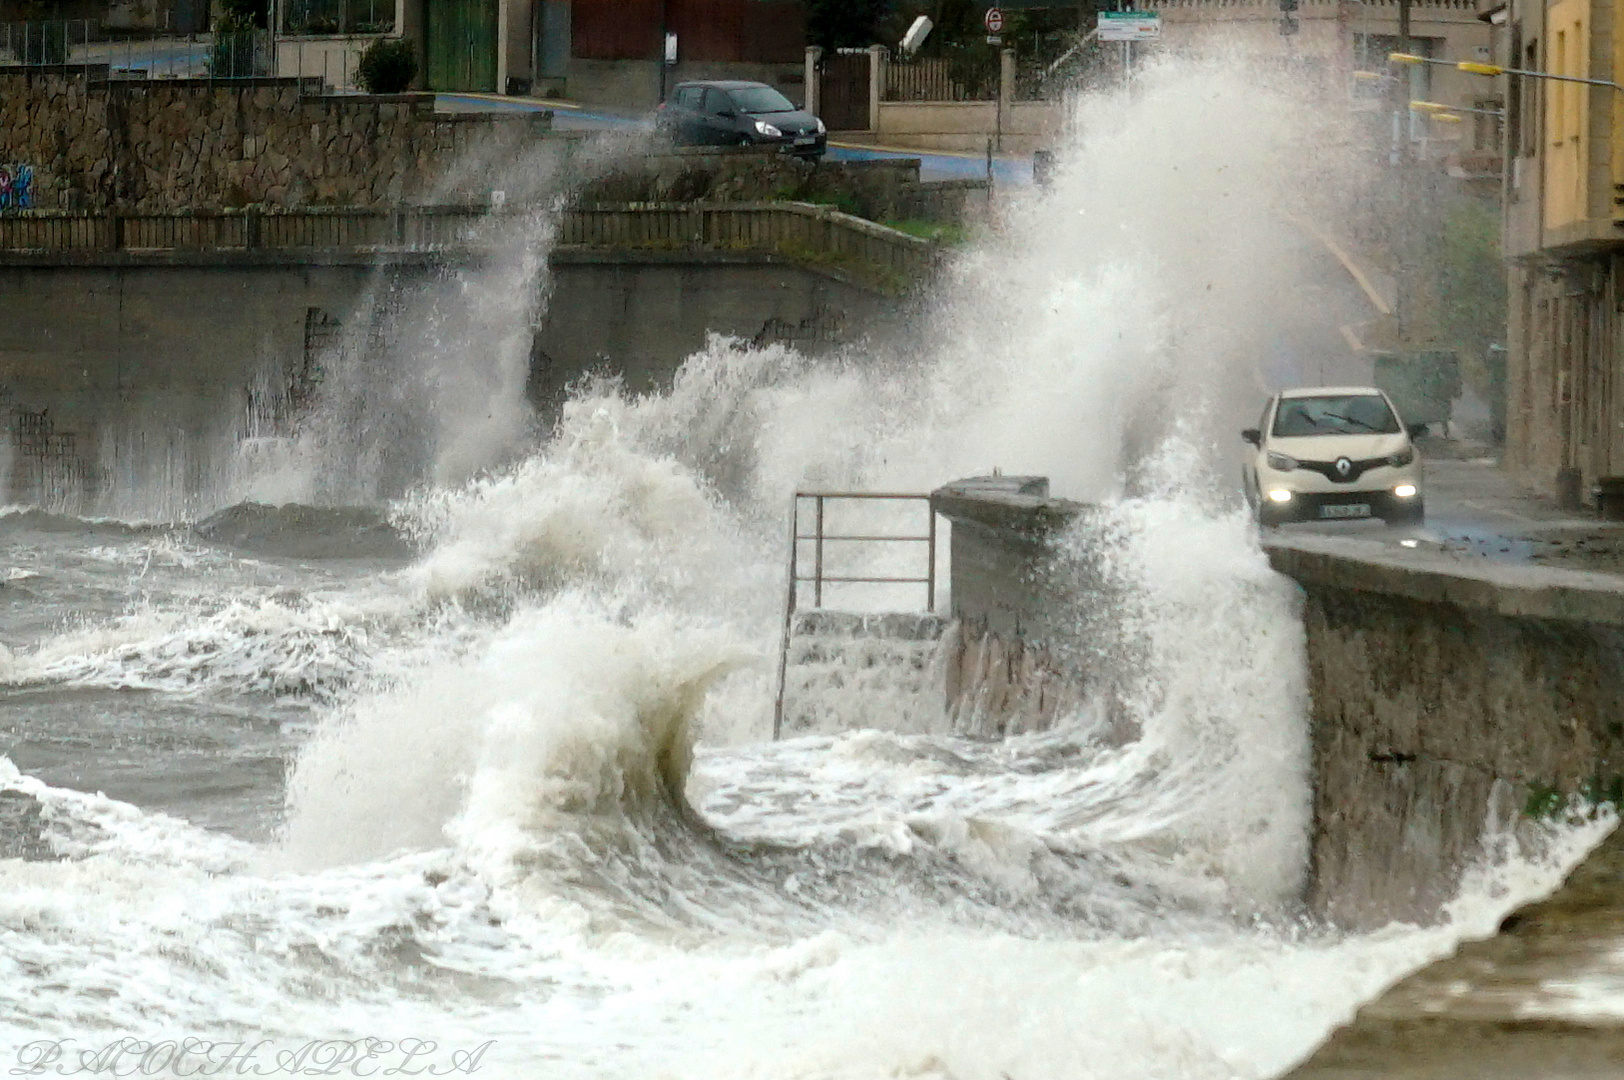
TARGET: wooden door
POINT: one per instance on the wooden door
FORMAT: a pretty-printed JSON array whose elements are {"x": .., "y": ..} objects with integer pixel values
[
  {"x": 843, "y": 91},
  {"x": 461, "y": 36}
]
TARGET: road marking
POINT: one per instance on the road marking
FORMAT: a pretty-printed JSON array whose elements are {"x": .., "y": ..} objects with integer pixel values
[{"x": 1354, "y": 270}]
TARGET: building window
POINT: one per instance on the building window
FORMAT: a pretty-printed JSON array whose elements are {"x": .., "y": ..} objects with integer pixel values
[
  {"x": 1370, "y": 53},
  {"x": 1488, "y": 124},
  {"x": 340, "y": 17}
]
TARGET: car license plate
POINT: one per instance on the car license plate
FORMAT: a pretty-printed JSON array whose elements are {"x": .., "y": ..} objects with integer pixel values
[
  {"x": 806, "y": 140},
  {"x": 1348, "y": 510}
]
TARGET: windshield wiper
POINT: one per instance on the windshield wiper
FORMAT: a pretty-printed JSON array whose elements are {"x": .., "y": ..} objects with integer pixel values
[{"x": 1351, "y": 420}]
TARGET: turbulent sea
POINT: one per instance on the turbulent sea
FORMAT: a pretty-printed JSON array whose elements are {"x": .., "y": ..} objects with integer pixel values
[{"x": 477, "y": 779}]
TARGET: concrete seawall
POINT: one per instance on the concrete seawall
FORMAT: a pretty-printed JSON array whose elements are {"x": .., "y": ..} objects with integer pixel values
[
  {"x": 160, "y": 354},
  {"x": 1447, "y": 695},
  {"x": 1009, "y": 662}
]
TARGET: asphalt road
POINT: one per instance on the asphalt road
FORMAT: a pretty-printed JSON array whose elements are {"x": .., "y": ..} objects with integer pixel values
[{"x": 567, "y": 117}]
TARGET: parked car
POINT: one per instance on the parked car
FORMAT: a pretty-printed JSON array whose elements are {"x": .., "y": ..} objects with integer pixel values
[
  {"x": 734, "y": 113},
  {"x": 1332, "y": 453}
]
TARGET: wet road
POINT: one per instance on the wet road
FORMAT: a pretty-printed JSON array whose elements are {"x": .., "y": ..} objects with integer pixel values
[{"x": 567, "y": 117}]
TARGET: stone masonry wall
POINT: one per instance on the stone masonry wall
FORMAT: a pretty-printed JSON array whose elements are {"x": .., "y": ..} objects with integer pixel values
[
  {"x": 160, "y": 146},
  {"x": 1444, "y": 706},
  {"x": 1452, "y": 704}
]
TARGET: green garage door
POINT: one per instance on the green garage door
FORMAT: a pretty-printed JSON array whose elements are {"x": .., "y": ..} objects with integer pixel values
[{"x": 461, "y": 44}]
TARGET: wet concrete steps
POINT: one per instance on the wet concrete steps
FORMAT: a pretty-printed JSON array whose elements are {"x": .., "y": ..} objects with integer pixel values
[{"x": 851, "y": 670}]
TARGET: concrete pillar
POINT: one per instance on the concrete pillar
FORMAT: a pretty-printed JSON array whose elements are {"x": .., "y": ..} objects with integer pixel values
[
  {"x": 513, "y": 38},
  {"x": 876, "y": 83},
  {"x": 814, "y": 53},
  {"x": 409, "y": 23},
  {"x": 1006, "y": 93}
]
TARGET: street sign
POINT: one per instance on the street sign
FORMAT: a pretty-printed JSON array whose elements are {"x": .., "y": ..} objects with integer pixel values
[
  {"x": 1129, "y": 26},
  {"x": 994, "y": 21}
]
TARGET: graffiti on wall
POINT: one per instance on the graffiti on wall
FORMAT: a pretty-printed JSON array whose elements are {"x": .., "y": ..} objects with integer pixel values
[{"x": 16, "y": 187}]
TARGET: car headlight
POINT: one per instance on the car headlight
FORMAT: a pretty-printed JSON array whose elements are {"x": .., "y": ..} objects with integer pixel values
[
  {"x": 1402, "y": 458},
  {"x": 1281, "y": 462},
  {"x": 1279, "y": 495},
  {"x": 1405, "y": 491},
  {"x": 764, "y": 128},
  {"x": 821, "y": 129}
]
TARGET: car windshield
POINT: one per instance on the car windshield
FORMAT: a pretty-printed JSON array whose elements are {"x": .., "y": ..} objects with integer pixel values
[
  {"x": 1343, "y": 414},
  {"x": 760, "y": 99}
]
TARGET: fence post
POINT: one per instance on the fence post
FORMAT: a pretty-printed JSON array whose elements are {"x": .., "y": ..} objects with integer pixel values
[
  {"x": 1006, "y": 93},
  {"x": 930, "y": 574},
  {"x": 814, "y": 53},
  {"x": 817, "y": 559},
  {"x": 876, "y": 83},
  {"x": 789, "y": 613}
]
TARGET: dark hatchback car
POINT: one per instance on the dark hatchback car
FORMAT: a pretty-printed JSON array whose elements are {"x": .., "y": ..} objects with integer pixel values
[{"x": 740, "y": 114}]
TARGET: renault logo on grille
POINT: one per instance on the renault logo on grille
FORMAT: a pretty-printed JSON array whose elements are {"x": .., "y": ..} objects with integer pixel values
[{"x": 1343, "y": 468}]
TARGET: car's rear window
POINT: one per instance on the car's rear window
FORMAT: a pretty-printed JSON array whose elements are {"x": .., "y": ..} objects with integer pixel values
[
  {"x": 1343, "y": 414},
  {"x": 760, "y": 99}
]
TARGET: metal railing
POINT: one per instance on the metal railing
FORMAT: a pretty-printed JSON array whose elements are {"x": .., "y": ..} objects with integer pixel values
[
  {"x": 793, "y": 230},
  {"x": 818, "y": 537},
  {"x": 85, "y": 44},
  {"x": 339, "y": 17},
  {"x": 968, "y": 78}
]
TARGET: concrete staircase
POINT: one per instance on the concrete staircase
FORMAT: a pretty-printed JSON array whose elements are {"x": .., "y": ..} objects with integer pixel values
[{"x": 848, "y": 670}]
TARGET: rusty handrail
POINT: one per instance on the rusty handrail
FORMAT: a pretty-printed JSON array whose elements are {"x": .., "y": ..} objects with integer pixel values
[{"x": 818, "y": 537}]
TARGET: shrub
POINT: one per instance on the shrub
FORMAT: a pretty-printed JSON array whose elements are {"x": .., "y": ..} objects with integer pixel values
[{"x": 388, "y": 66}]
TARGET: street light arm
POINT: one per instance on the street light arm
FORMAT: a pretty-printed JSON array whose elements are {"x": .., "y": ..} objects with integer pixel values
[
  {"x": 1472, "y": 67},
  {"x": 1440, "y": 107},
  {"x": 1544, "y": 75}
]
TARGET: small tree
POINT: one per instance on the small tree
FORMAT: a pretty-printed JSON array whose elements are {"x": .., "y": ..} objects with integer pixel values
[
  {"x": 836, "y": 24},
  {"x": 232, "y": 55},
  {"x": 388, "y": 66}
]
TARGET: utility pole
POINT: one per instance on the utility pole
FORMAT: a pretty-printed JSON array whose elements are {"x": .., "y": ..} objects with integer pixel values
[{"x": 1404, "y": 250}]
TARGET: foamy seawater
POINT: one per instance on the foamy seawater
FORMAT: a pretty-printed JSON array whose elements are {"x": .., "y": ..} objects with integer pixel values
[{"x": 501, "y": 800}]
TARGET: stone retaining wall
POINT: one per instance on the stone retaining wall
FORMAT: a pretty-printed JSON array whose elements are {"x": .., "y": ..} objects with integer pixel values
[
  {"x": 194, "y": 144},
  {"x": 1450, "y": 699}
]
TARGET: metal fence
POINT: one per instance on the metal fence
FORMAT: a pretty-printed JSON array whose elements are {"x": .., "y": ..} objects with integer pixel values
[
  {"x": 971, "y": 77},
  {"x": 53, "y": 43},
  {"x": 85, "y": 43},
  {"x": 340, "y": 17}
]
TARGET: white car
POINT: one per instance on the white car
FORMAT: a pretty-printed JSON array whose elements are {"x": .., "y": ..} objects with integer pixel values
[{"x": 1332, "y": 453}]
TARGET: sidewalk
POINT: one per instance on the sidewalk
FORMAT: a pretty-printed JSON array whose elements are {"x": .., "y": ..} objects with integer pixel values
[{"x": 1475, "y": 513}]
